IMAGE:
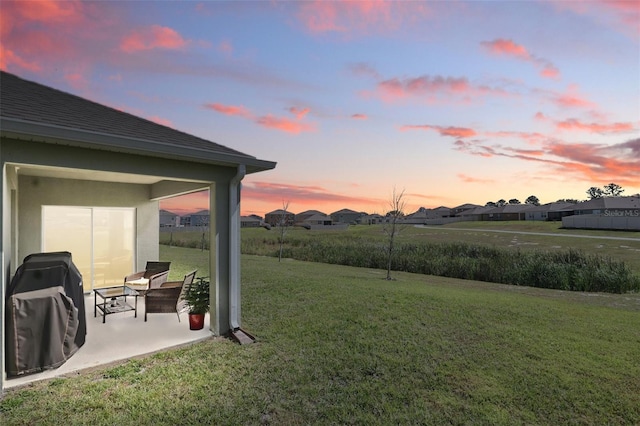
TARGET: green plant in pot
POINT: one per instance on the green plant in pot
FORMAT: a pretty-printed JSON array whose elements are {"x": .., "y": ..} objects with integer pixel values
[{"x": 197, "y": 298}]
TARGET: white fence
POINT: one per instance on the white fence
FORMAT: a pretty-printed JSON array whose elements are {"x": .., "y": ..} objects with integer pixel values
[{"x": 620, "y": 223}]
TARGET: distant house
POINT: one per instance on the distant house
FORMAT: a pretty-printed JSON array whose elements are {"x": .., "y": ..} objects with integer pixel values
[
  {"x": 474, "y": 213},
  {"x": 302, "y": 217},
  {"x": 507, "y": 212},
  {"x": 200, "y": 218},
  {"x": 422, "y": 216},
  {"x": 276, "y": 217},
  {"x": 459, "y": 210},
  {"x": 549, "y": 211},
  {"x": 372, "y": 219},
  {"x": 442, "y": 211},
  {"x": 347, "y": 216},
  {"x": 605, "y": 205},
  {"x": 169, "y": 219},
  {"x": 250, "y": 221},
  {"x": 622, "y": 213},
  {"x": 313, "y": 220},
  {"x": 185, "y": 221}
]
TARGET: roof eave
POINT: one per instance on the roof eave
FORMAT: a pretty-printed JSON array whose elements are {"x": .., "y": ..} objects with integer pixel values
[{"x": 38, "y": 132}]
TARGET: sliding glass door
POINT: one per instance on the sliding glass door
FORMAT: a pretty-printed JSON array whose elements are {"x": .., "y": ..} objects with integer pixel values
[{"x": 100, "y": 240}]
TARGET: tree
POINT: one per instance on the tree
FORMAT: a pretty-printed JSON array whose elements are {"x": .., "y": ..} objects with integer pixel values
[
  {"x": 501, "y": 203},
  {"x": 491, "y": 204},
  {"x": 532, "y": 199},
  {"x": 514, "y": 201},
  {"x": 612, "y": 190},
  {"x": 283, "y": 225},
  {"x": 393, "y": 226},
  {"x": 594, "y": 192}
]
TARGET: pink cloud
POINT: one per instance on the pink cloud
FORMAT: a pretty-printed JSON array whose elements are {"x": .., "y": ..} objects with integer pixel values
[
  {"x": 574, "y": 124},
  {"x": 396, "y": 88},
  {"x": 9, "y": 59},
  {"x": 44, "y": 10},
  {"x": 161, "y": 121},
  {"x": 230, "y": 109},
  {"x": 298, "y": 194},
  {"x": 348, "y": 17},
  {"x": 359, "y": 116},
  {"x": 531, "y": 137},
  {"x": 269, "y": 121},
  {"x": 469, "y": 179},
  {"x": 364, "y": 69},
  {"x": 433, "y": 89},
  {"x": 568, "y": 101},
  {"x": 508, "y": 47},
  {"x": 77, "y": 80},
  {"x": 299, "y": 112},
  {"x": 25, "y": 31},
  {"x": 621, "y": 15},
  {"x": 617, "y": 162},
  {"x": 226, "y": 47},
  {"x": 456, "y": 132},
  {"x": 152, "y": 37},
  {"x": 592, "y": 162},
  {"x": 284, "y": 124},
  {"x": 474, "y": 148}
]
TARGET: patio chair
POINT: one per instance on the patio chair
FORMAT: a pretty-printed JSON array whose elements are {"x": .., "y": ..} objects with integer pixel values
[
  {"x": 154, "y": 275},
  {"x": 168, "y": 297}
]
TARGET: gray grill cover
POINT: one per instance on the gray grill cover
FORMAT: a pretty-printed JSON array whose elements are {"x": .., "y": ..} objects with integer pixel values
[{"x": 45, "y": 314}]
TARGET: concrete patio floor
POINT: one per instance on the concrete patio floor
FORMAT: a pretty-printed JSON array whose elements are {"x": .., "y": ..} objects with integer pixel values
[{"x": 121, "y": 337}]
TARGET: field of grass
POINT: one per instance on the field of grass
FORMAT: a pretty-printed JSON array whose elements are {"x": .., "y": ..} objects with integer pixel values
[
  {"x": 341, "y": 345},
  {"x": 523, "y": 235}
]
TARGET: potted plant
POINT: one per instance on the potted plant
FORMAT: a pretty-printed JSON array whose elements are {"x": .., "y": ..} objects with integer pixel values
[{"x": 197, "y": 298}]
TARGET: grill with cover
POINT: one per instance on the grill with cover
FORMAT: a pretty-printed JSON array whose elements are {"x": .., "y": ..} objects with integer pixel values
[{"x": 45, "y": 314}]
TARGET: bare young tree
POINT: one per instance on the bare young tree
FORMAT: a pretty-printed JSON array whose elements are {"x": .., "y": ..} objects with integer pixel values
[
  {"x": 393, "y": 225},
  {"x": 283, "y": 225}
]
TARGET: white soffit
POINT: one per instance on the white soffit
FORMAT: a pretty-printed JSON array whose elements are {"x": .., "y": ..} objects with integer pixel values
[{"x": 81, "y": 174}]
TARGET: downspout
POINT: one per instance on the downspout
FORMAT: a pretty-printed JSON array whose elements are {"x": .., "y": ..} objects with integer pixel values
[{"x": 234, "y": 248}]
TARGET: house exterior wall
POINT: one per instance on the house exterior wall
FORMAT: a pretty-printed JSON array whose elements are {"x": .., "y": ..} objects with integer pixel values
[
  {"x": 38, "y": 191},
  {"x": 274, "y": 218},
  {"x": 536, "y": 215},
  {"x": 169, "y": 220},
  {"x": 346, "y": 217}
]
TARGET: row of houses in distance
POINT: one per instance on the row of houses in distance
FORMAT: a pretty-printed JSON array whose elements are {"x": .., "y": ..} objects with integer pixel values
[{"x": 621, "y": 213}]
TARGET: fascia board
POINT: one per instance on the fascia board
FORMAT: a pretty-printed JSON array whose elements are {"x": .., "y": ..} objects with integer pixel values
[{"x": 21, "y": 129}]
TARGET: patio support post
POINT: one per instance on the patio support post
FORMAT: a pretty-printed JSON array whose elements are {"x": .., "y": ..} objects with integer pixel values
[
  {"x": 234, "y": 248},
  {"x": 5, "y": 272},
  {"x": 219, "y": 225}
]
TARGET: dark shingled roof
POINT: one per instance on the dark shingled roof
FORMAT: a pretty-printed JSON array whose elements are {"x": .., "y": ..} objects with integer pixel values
[{"x": 27, "y": 101}]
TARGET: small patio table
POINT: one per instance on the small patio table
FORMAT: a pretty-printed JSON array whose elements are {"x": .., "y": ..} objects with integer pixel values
[{"x": 114, "y": 300}]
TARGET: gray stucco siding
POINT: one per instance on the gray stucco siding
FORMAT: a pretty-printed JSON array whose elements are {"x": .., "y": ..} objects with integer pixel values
[{"x": 35, "y": 192}]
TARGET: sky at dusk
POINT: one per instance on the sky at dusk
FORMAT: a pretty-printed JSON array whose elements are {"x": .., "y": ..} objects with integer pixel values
[{"x": 451, "y": 101}]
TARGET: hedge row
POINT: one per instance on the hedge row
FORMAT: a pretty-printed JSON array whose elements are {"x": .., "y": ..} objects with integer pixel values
[{"x": 563, "y": 270}]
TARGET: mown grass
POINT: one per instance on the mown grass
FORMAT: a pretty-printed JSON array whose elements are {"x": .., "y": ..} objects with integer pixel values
[{"x": 341, "y": 345}]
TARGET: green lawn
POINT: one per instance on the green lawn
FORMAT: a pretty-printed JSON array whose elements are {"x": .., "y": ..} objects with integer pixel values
[{"x": 341, "y": 345}]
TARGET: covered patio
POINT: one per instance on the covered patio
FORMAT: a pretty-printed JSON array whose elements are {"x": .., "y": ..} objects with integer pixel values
[
  {"x": 72, "y": 168},
  {"x": 121, "y": 337}
]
